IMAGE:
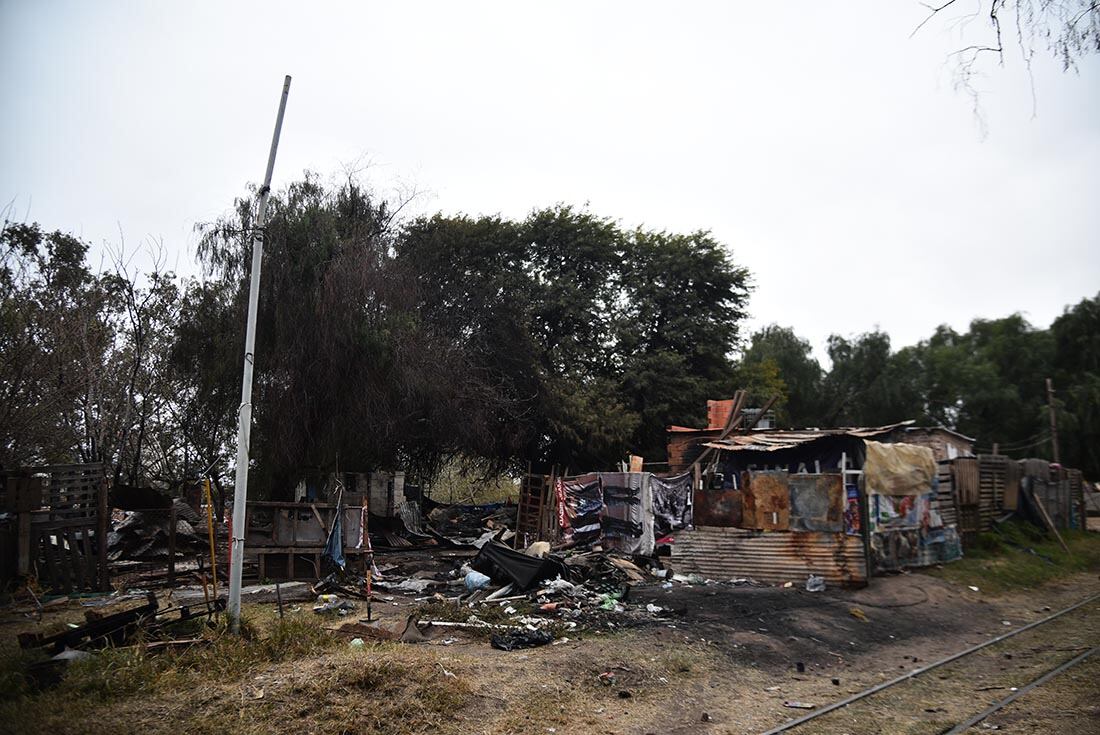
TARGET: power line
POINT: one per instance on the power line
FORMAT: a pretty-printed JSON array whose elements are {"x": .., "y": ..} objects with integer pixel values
[{"x": 1019, "y": 447}]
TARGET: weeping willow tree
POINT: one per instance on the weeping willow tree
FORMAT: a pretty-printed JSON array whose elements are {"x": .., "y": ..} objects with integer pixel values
[
  {"x": 347, "y": 376},
  {"x": 1065, "y": 30}
]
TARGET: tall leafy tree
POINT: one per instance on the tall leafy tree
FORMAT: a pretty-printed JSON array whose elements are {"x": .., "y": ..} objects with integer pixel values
[
  {"x": 683, "y": 302},
  {"x": 778, "y": 350},
  {"x": 868, "y": 385},
  {"x": 989, "y": 382},
  {"x": 603, "y": 335},
  {"x": 55, "y": 338},
  {"x": 1076, "y": 336},
  {"x": 81, "y": 375},
  {"x": 347, "y": 374}
]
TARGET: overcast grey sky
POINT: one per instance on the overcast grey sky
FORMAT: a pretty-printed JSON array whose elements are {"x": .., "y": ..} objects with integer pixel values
[{"x": 820, "y": 142}]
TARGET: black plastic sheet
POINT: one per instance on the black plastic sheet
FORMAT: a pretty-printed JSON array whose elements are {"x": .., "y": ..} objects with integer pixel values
[
  {"x": 518, "y": 639},
  {"x": 508, "y": 565}
]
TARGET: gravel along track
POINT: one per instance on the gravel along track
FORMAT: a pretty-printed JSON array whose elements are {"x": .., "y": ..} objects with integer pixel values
[{"x": 939, "y": 698}]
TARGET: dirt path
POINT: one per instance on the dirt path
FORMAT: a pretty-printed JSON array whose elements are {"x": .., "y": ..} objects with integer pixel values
[
  {"x": 724, "y": 661},
  {"x": 937, "y": 700},
  {"x": 730, "y": 658},
  {"x": 1069, "y": 704}
]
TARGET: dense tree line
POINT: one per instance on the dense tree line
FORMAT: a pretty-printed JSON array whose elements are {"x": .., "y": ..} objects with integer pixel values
[
  {"x": 988, "y": 382},
  {"x": 562, "y": 338}
]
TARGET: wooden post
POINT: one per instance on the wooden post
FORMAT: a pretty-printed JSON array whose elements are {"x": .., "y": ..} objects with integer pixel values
[
  {"x": 544, "y": 490},
  {"x": 102, "y": 524},
  {"x": 1053, "y": 423},
  {"x": 210, "y": 533},
  {"x": 1047, "y": 520},
  {"x": 23, "y": 552},
  {"x": 172, "y": 545}
]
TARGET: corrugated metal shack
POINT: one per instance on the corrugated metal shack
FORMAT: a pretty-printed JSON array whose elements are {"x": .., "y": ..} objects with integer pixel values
[
  {"x": 686, "y": 443},
  {"x": 777, "y": 506},
  {"x": 944, "y": 443}
]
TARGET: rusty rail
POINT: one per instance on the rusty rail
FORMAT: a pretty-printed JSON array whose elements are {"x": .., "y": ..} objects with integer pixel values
[{"x": 791, "y": 724}]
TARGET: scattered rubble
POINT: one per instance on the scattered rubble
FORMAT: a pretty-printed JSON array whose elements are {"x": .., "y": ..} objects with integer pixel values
[
  {"x": 289, "y": 591},
  {"x": 472, "y": 524},
  {"x": 118, "y": 628},
  {"x": 517, "y": 639},
  {"x": 143, "y": 535}
]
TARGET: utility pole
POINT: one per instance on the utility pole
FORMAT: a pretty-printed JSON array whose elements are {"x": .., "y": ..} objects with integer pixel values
[
  {"x": 244, "y": 414},
  {"x": 1053, "y": 423}
]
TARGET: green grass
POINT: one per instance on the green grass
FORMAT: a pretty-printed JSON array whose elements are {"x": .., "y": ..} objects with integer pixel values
[
  {"x": 1019, "y": 555},
  {"x": 473, "y": 482}
]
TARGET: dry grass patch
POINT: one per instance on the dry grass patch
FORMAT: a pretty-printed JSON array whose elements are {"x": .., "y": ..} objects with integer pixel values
[
  {"x": 117, "y": 674},
  {"x": 385, "y": 688}
]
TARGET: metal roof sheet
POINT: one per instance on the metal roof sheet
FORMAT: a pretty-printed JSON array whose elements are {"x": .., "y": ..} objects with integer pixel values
[
  {"x": 770, "y": 440},
  {"x": 944, "y": 429}
]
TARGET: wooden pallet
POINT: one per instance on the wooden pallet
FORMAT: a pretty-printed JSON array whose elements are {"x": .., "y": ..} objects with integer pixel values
[
  {"x": 68, "y": 534},
  {"x": 535, "y": 502}
]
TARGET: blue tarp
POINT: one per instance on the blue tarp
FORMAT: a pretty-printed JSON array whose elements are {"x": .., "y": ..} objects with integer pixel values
[{"x": 334, "y": 546}]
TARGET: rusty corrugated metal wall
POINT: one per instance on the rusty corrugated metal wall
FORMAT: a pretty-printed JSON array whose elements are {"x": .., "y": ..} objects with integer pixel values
[{"x": 775, "y": 558}]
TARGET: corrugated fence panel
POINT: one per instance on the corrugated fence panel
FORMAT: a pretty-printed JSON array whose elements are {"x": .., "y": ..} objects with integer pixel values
[
  {"x": 1077, "y": 496},
  {"x": 775, "y": 558}
]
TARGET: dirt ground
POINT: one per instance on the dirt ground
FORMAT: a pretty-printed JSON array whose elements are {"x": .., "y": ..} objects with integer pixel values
[{"x": 724, "y": 660}]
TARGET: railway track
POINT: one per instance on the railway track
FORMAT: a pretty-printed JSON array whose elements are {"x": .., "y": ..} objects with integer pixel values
[{"x": 807, "y": 722}]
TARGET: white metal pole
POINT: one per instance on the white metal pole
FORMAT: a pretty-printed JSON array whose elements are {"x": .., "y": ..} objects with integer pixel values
[{"x": 244, "y": 414}]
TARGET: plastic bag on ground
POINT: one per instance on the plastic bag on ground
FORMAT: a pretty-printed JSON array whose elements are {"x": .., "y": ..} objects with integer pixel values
[{"x": 476, "y": 581}]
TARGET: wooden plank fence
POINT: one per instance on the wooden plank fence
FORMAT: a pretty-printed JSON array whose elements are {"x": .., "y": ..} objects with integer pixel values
[{"x": 68, "y": 533}]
